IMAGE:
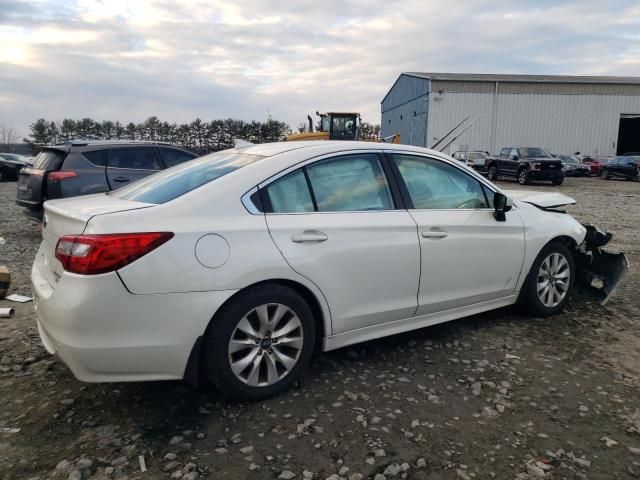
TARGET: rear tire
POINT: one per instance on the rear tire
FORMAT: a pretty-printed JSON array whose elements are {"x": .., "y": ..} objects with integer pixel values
[
  {"x": 550, "y": 281},
  {"x": 523, "y": 176},
  {"x": 245, "y": 357},
  {"x": 604, "y": 174},
  {"x": 492, "y": 173},
  {"x": 2, "y": 176}
]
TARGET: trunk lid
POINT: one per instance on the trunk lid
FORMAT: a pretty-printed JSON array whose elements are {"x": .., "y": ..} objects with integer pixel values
[
  {"x": 541, "y": 199},
  {"x": 32, "y": 181},
  {"x": 70, "y": 216}
]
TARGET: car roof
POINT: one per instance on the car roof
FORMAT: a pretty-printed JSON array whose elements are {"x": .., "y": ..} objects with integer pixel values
[{"x": 328, "y": 146}]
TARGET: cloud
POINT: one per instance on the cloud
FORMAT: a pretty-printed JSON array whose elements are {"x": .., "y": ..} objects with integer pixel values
[{"x": 122, "y": 60}]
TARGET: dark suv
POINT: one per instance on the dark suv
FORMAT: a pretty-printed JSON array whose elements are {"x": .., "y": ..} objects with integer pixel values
[
  {"x": 72, "y": 169},
  {"x": 623, "y": 167}
]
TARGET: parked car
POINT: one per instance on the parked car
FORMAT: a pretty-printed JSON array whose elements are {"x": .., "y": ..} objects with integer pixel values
[
  {"x": 595, "y": 163},
  {"x": 622, "y": 167},
  {"x": 573, "y": 167},
  {"x": 475, "y": 159},
  {"x": 237, "y": 265},
  {"x": 83, "y": 168},
  {"x": 526, "y": 164},
  {"x": 10, "y": 165}
]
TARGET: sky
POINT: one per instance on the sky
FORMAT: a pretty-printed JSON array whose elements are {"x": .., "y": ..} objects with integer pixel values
[{"x": 128, "y": 60}]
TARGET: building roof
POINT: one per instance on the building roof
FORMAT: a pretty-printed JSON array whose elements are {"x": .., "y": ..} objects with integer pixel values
[{"x": 491, "y": 77}]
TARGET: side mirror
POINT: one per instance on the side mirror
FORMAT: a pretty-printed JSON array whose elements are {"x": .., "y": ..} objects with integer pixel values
[{"x": 502, "y": 204}]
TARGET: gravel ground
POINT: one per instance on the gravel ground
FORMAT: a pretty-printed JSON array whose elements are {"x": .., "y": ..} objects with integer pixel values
[{"x": 498, "y": 395}]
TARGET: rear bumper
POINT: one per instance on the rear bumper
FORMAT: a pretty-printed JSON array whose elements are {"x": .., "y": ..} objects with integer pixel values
[
  {"x": 103, "y": 333},
  {"x": 31, "y": 205}
]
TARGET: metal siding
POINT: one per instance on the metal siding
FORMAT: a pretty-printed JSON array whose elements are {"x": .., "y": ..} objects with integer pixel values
[
  {"x": 451, "y": 108},
  {"x": 462, "y": 86},
  {"x": 404, "y": 110},
  {"x": 562, "y": 123},
  {"x": 567, "y": 88}
]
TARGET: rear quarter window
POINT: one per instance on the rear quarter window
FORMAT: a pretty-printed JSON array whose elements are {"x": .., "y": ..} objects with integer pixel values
[
  {"x": 173, "y": 157},
  {"x": 97, "y": 157},
  {"x": 49, "y": 160},
  {"x": 136, "y": 158}
]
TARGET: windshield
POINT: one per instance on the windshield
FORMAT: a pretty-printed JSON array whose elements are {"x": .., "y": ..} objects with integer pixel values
[
  {"x": 176, "y": 181},
  {"x": 534, "y": 152}
]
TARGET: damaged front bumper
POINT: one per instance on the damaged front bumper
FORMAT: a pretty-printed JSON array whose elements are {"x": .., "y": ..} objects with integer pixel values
[{"x": 598, "y": 272}]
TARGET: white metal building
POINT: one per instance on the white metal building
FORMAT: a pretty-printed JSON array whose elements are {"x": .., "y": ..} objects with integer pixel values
[{"x": 566, "y": 114}]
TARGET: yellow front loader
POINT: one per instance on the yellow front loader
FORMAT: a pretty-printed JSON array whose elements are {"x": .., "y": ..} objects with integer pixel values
[{"x": 336, "y": 126}]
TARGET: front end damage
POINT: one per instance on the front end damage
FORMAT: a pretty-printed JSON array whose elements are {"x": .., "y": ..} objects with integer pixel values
[{"x": 598, "y": 272}]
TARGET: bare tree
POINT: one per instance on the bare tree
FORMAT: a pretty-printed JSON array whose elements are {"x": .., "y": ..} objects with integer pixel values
[{"x": 8, "y": 136}]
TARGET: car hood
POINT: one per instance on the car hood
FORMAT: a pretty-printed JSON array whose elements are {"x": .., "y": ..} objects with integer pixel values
[{"x": 540, "y": 199}]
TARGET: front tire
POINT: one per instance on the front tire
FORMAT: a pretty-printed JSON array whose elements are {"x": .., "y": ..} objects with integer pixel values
[
  {"x": 550, "y": 281},
  {"x": 258, "y": 344},
  {"x": 523, "y": 176},
  {"x": 492, "y": 173},
  {"x": 605, "y": 174},
  {"x": 558, "y": 182}
]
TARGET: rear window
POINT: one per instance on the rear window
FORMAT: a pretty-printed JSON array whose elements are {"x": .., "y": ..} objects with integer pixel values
[
  {"x": 175, "y": 182},
  {"x": 49, "y": 160}
]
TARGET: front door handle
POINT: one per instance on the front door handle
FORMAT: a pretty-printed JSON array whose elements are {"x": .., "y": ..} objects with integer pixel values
[
  {"x": 121, "y": 179},
  {"x": 309, "y": 236},
  {"x": 434, "y": 234}
]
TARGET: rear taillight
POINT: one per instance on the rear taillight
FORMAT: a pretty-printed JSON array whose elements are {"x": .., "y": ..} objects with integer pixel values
[
  {"x": 61, "y": 175},
  {"x": 93, "y": 254}
]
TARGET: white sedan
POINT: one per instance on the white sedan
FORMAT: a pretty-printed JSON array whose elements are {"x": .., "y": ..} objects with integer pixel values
[{"x": 240, "y": 263}]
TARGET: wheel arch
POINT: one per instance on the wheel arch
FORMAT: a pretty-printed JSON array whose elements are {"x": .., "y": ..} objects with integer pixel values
[
  {"x": 321, "y": 320},
  {"x": 565, "y": 240}
]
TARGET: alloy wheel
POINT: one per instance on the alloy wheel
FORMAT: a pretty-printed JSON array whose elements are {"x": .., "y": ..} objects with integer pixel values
[
  {"x": 554, "y": 278},
  {"x": 522, "y": 177},
  {"x": 265, "y": 345}
]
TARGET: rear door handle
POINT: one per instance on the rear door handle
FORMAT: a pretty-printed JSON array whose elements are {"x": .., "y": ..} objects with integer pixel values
[
  {"x": 434, "y": 234},
  {"x": 309, "y": 236},
  {"x": 121, "y": 179}
]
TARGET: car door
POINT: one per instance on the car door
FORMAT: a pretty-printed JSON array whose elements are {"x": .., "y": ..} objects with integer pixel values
[
  {"x": 511, "y": 164},
  {"x": 503, "y": 161},
  {"x": 336, "y": 223},
  {"x": 628, "y": 167},
  {"x": 128, "y": 164},
  {"x": 467, "y": 256}
]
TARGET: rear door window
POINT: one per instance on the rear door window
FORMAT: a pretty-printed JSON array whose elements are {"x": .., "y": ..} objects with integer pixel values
[
  {"x": 290, "y": 194},
  {"x": 350, "y": 183},
  {"x": 173, "y": 157},
  {"x": 139, "y": 158},
  {"x": 49, "y": 160}
]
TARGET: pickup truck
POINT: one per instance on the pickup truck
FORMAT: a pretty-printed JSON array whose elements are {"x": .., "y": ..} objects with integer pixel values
[{"x": 526, "y": 164}]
